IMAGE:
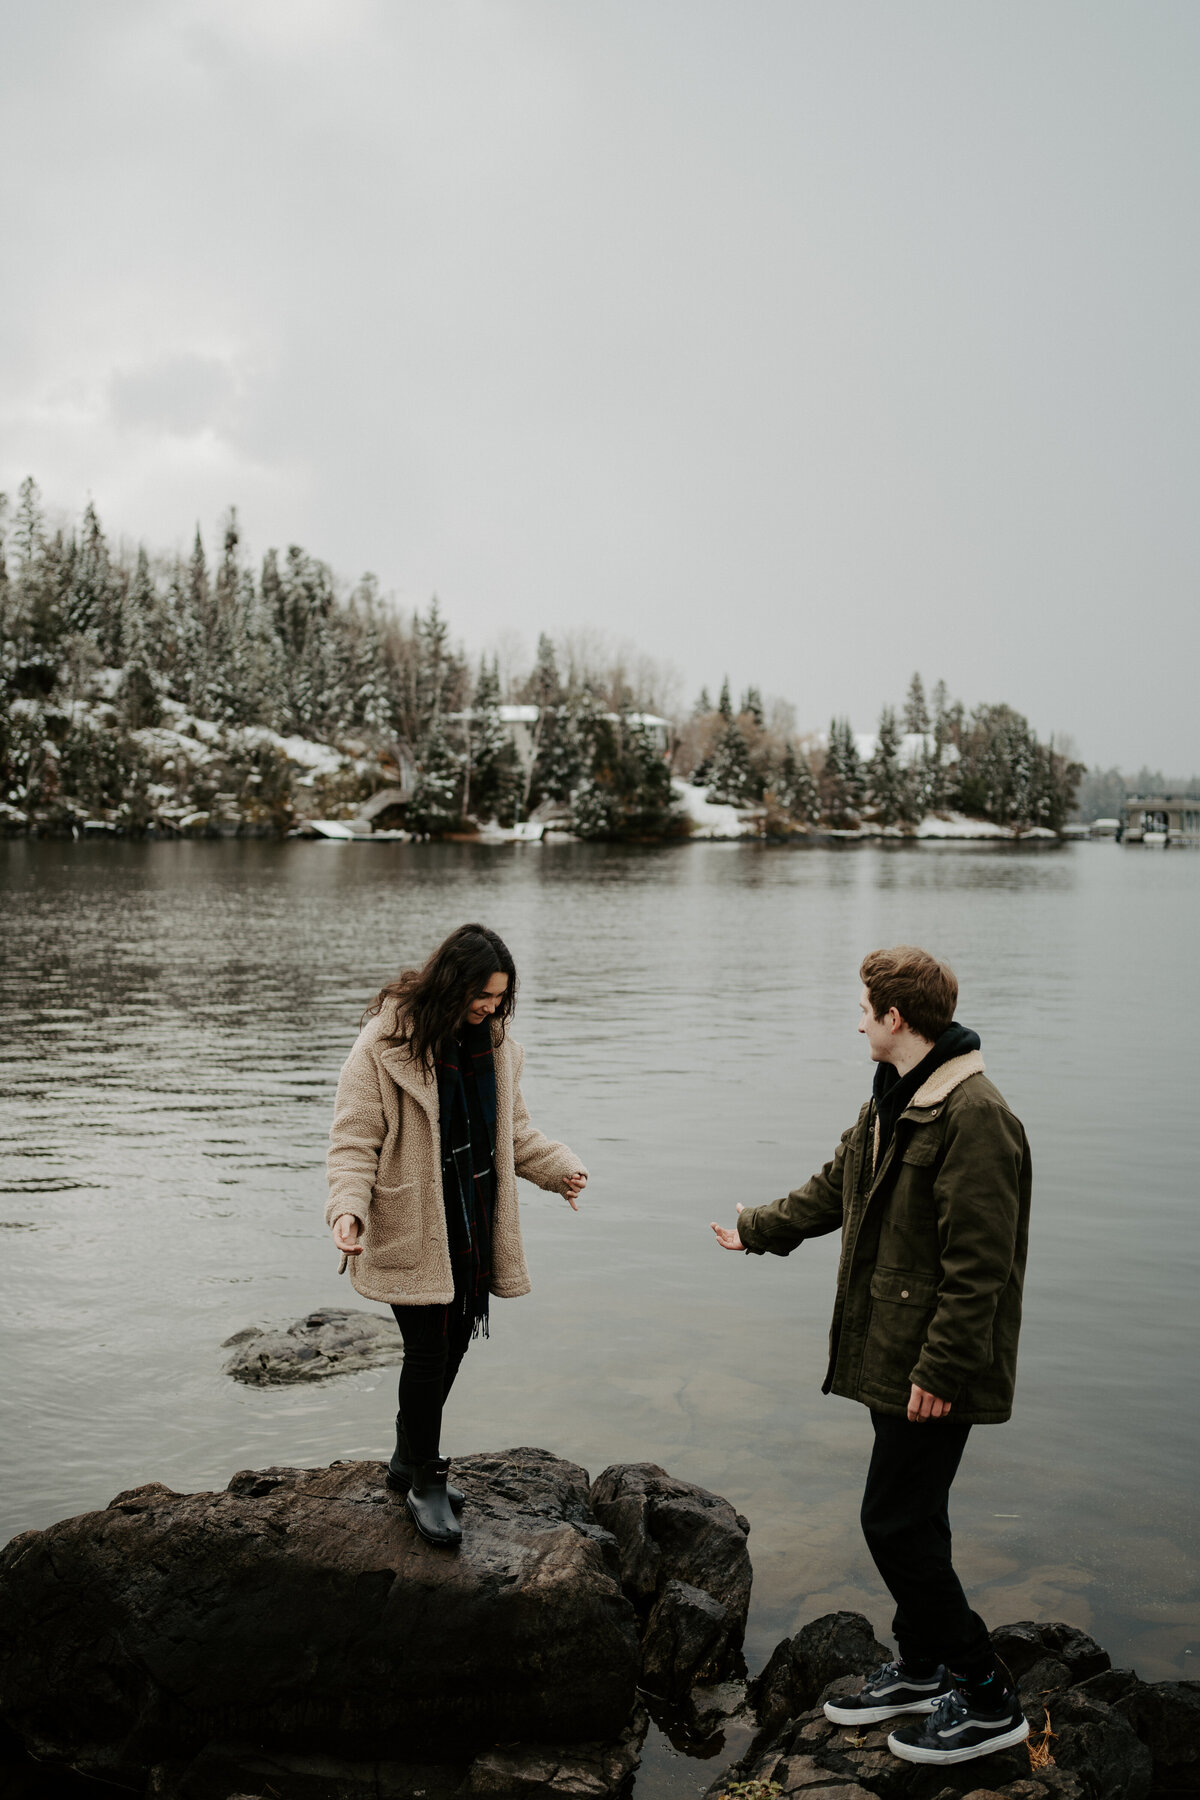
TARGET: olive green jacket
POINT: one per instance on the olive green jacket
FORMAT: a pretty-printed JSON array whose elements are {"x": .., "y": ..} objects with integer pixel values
[{"x": 933, "y": 1248}]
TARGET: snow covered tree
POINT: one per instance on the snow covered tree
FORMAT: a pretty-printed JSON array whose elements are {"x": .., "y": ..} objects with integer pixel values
[
  {"x": 138, "y": 699},
  {"x": 493, "y": 770},
  {"x": 752, "y": 706},
  {"x": 916, "y": 713},
  {"x": 795, "y": 788},
  {"x": 841, "y": 784},
  {"x": 886, "y": 786},
  {"x": 436, "y": 801},
  {"x": 732, "y": 777}
]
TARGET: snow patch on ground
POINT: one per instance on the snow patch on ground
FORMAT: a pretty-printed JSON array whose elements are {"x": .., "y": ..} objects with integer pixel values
[
  {"x": 957, "y": 825},
  {"x": 708, "y": 818}
]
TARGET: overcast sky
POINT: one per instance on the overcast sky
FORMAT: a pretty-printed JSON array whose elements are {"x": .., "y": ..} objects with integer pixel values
[{"x": 814, "y": 343}]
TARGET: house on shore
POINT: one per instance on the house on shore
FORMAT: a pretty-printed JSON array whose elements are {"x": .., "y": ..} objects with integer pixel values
[{"x": 1161, "y": 818}]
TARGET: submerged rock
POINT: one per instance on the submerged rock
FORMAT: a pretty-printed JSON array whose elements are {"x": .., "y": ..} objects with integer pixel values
[
  {"x": 300, "y": 1609},
  {"x": 332, "y": 1341},
  {"x": 685, "y": 1566}
]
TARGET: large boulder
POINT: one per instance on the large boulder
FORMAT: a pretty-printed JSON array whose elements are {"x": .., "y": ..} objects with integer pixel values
[
  {"x": 332, "y": 1341},
  {"x": 300, "y": 1608},
  {"x": 800, "y": 1668},
  {"x": 686, "y": 1568}
]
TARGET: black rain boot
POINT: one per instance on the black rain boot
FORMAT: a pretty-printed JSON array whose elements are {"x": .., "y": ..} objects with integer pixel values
[
  {"x": 400, "y": 1470},
  {"x": 429, "y": 1505}
]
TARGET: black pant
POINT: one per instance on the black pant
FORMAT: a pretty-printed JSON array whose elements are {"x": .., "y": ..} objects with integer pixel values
[
  {"x": 906, "y": 1522},
  {"x": 435, "y": 1342}
]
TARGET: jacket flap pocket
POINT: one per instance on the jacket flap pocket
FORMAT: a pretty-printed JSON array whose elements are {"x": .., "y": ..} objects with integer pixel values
[
  {"x": 921, "y": 1148},
  {"x": 904, "y": 1287}
]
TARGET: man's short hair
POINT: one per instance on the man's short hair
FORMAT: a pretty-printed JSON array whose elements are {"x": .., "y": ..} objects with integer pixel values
[{"x": 923, "y": 990}]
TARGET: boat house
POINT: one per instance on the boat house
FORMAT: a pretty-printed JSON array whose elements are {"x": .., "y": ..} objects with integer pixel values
[{"x": 1161, "y": 818}]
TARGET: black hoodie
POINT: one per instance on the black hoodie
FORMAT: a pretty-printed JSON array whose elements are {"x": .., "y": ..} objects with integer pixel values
[{"x": 894, "y": 1092}]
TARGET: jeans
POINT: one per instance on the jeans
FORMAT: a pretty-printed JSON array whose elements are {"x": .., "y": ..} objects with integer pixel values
[
  {"x": 435, "y": 1342},
  {"x": 906, "y": 1522}
]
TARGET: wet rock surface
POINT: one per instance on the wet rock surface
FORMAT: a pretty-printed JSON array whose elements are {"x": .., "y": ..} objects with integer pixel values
[
  {"x": 1110, "y": 1736},
  {"x": 686, "y": 1568},
  {"x": 332, "y": 1341},
  {"x": 801, "y": 1668},
  {"x": 299, "y": 1608}
]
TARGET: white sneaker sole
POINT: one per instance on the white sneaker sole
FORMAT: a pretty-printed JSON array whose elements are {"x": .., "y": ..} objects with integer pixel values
[
  {"x": 911, "y": 1752},
  {"x": 876, "y": 1715}
]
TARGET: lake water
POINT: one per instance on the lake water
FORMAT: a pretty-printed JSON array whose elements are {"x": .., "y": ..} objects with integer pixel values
[{"x": 174, "y": 1017}]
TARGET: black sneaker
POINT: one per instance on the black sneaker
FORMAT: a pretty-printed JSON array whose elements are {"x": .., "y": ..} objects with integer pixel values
[
  {"x": 890, "y": 1691},
  {"x": 958, "y": 1732}
]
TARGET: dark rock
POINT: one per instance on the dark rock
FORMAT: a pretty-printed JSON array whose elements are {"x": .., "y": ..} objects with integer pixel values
[
  {"x": 810, "y": 1757},
  {"x": 300, "y": 1609},
  {"x": 800, "y": 1668},
  {"x": 1166, "y": 1717},
  {"x": 1025, "y": 1644},
  {"x": 684, "y": 1636},
  {"x": 1096, "y": 1744},
  {"x": 248, "y": 1772},
  {"x": 545, "y": 1771},
  {"x": 685, "y": 1566},
  {"x": 332, "y": 1341}
]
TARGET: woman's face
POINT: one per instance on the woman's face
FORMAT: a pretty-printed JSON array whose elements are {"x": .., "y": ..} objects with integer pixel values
[{"x": 485, "y": 1004}]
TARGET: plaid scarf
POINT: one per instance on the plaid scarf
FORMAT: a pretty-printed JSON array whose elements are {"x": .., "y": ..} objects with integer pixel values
[{"x": 466, "y": 1078}]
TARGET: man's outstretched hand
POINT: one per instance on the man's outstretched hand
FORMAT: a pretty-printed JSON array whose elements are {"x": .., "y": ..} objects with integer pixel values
[
  {"x": 727, "y": 1238},
  {"x": 922, "y": 1406}
]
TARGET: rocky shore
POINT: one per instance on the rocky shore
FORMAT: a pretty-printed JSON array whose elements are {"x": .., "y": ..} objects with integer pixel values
[{"x": 294, "y": 1636}]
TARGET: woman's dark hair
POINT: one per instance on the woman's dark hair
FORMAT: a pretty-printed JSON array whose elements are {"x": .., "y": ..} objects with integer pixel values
[{"x": 431, "y": 1002}]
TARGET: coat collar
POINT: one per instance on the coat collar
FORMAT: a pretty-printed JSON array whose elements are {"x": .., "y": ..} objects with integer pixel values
[
  {"x": 413, "y": 1077},
  {"x": 944, "y": 1080}
]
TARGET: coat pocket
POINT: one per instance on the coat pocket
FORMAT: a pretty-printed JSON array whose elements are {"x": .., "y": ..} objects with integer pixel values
[
  {"x": 902, "y": 1304},
  {"x": 394, "y": 1231}
]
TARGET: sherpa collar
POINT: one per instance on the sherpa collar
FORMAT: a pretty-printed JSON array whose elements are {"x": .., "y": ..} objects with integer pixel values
[{"x": 944, "y": 1080}]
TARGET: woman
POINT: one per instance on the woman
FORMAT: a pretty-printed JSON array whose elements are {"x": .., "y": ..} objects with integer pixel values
[{"x": 429, "y": 1135}]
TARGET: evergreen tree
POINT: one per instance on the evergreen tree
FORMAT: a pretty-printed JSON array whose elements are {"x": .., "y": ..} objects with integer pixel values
[
  {"x": 436, "y": 800},
  {"x": 493, "y": 768},
  {"x": 752, "y": 706},
  {"x": 841, "y": 786},
  {"x": 627, "y": 792},
  {"x": 916, "y": 713},
  {"x": 549, "y": 767},
  {"x": 138, "y": 701},
  {"x": 703, "y": 704},
  {"x": 795, "y": 788},
  {"x": 732, "y": 777},
  {"x": 725, "y": 704},
  {"x": 886, "y": 785}
]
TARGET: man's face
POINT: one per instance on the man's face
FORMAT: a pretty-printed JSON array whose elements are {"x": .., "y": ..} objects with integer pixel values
[{"x": 878, "y": 1032}]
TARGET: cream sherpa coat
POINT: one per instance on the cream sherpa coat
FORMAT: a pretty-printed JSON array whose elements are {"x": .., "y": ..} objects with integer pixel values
[{"x": 384, "y": 1166}]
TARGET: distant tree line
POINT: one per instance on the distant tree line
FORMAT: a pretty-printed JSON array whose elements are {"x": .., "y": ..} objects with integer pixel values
[
  {"x": 928, "y": 756},
  {"x": 101, "y": 646}
]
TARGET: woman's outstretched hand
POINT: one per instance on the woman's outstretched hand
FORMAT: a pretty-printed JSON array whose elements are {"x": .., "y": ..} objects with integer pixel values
[
  {"x": 345, "y": 1234},
  {"x": 572, "y": 1187},
  {"x": 727, "y": 1238}
]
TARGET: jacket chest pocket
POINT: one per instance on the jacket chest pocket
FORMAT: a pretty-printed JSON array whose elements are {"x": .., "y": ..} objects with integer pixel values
[{"x": 921, "y": 1149}]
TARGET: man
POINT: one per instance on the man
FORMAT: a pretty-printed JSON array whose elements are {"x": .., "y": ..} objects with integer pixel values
[{"x": 930, "y": 1189}]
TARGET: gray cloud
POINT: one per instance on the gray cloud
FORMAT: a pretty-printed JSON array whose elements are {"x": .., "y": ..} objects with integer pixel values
[
  {"x": 813, "y": 344},
  {"x": 179, "y": 395}
]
